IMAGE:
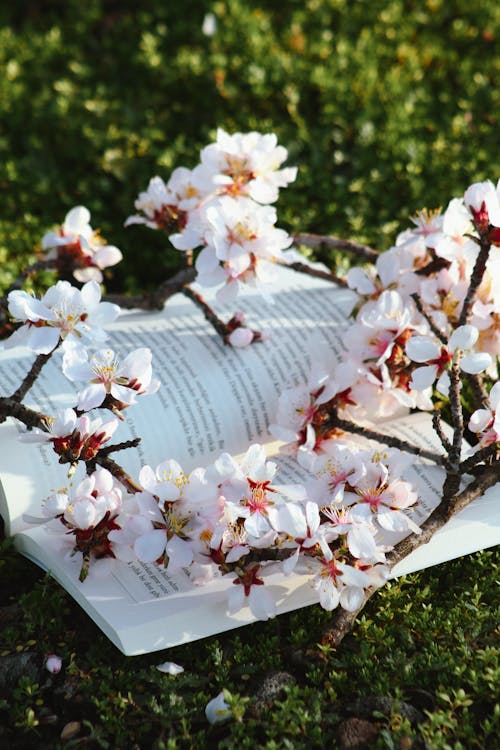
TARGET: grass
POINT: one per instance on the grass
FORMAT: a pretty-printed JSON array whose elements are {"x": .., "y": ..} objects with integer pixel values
[{"x": 385, "y": 107}]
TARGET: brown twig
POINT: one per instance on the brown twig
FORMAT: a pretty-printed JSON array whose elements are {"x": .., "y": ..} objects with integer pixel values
[
  {"x": 218, "y": 324},
  {"x": 435, "y": 330},
  {"x": 452, "y": 481},
  {"x": 316, "y": 272},
  {"x": 118, "y": 472},
  {"x": 32, "y": 375},
  {"x": 477, "y": 458},
  {"x": 10, "y": 407},
  {"x": 475, "y": 279},
  {"x": 317, "y": 241},
  {"x": 119, "y": 446},
  {"x": 156, "y": 299},
  {"x": 436, "y": 423},
  {"x": 343, "y": 621},
  {"x": 389, "y": 440}
]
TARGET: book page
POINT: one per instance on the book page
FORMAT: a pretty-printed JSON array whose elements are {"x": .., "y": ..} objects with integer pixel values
[{"x": 213, "y": 398}]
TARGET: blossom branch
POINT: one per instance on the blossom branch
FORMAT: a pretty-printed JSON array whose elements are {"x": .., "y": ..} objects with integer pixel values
[
  {"x": 316, "y": 272},
  {"x": 436, "y": 423},
  {"x": 435, "y": 330},
  {"x": 116, "y": 470},
  {"x": 10, "y": 407},
  {"x": 475, "y": 279},
  {"x": 392, "y": 442},
  {"x": 222, "y": 328},
  {"x": 343, "y": 621},
  {"x": 318, "y": 241},
  {"x": 32, "y": 375},
  {"x": 156, "y": 299},
  {"x": 119, "y": 446},
  {"x": 452, "y": 481}
]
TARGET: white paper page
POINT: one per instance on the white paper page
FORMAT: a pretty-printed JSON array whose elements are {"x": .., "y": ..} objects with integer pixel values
[{"x": 212, "y": 398}]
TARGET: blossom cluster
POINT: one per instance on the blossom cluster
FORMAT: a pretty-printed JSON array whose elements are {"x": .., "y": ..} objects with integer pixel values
[
  {"x": 78, "y": 249},
  {"x": 233, "y": 519},
  {"x": 410, "y": 327},
  {"x": 222, "y": 206}
]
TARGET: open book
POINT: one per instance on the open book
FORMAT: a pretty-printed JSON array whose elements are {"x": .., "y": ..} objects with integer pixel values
[{"x": 213, "y": 398}]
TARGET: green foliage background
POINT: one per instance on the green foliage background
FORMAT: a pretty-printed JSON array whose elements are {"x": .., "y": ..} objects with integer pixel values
[{"x": 385, "y": 106}]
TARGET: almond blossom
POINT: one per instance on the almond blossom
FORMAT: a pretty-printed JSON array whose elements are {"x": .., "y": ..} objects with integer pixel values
[
  {"x": 483, "y": 202},
  {"x": 110, "y": 383},
  {"x": 78, "y": 248},
  {"x": 89, "y": 512},
  {"x": 168, "y": 508},
  {"x": 247, "y": 164},
  {"x": 63, "y": 313},
  {"x": 242, "y": 243},
  {"x": 74, "y": 438},
  {"x": 486, "y": 422},
  {"x": 438, "y": 357}
]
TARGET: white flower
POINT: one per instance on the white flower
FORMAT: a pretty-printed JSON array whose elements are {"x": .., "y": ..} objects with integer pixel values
[
  {"x": 74, "y": 438},
  {"x": 77, "y": 247},
  {"x": 170, "y": 667},
  {"x": 217, "y": 709},
  {"x": 108, "y": 378},
  {"x": 438, "y": 357},
  {"x": 247, "y": 164},
  {"x": 64, "y": 312},
  {"x": 483, "y": 202},
  {"x": 53, "y": 664},
  {"x": 486, "y": 422}
]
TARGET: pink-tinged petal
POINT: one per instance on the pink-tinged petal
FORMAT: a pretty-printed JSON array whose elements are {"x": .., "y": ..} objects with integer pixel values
[
  {"x": 352, "y": 598},
  {"x": 107, "y": 255},
  {"x": 53, "y": 664},
  {"x": 105, "y": 313},
  {"x": 235, "y": 598},
  {"x": 240, "y": 337},
  {"x": 329, "y": 596},
  {"x": 147, "y": 478},
  {"x": 88, "y": 274},
  {"x": 150, "y": 546},
  {"x": 137, "y": 363},
  {"x": 475, "y": 363},
  {"x": 393, "y": 520},
  {"x": 423, "y": 377},
  {"x": 91, "y": 294},
  {"x": 180, "y": 553},
  {"x": 217, "y": 709},
  {"x": 480, "y": 420},
  {"x": 464, "y": 337},
  {"x": 91, "y": 396},
  {"x": 170, "y": 667},
  {"x": 76, "y": 220},
  {"x": 262, "y": 603},
  {"x": 361, "y": 543},
  {"x": 43, "y": 340},
  {"x": 422, "y": 349},
  {"x": 83, "y": 514}
]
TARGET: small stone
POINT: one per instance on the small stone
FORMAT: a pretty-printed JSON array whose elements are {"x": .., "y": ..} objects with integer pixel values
[
  {"x": 15, "y": 666},
  {"x": 70, "y": 730},
  {"x": 270, "y": 689},
  {"x": 356, "y": 734}
]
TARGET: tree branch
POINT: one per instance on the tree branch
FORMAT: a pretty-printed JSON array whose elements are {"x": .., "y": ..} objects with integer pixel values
[
  {"x": 328, "y": 242},
  {"x": 10, "y": 407},
  {"x": 343, "y": 621},
  {"x": 389, "y": 440}
]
